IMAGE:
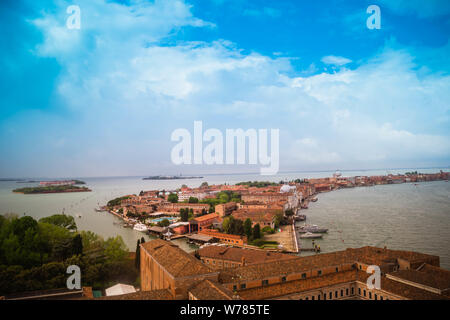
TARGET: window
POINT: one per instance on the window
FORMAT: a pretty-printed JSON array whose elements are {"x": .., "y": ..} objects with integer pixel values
[
  {"x": 337, "y": 269},
  {"x": 324, "y": 296},
  {"x": 381, "y": 297},
  {"x": 265, "y": 282},
  {"x": 243, "y": 286},
  {"x": 303, "y": 275},
  {"x": 319, "y": 272},
  {"x": 283, "y": 279},
  {"x": 331, "y": 295},
  {"x": 342, "y": 293},
  {"x": 376, "y": 297},
  {"x": 335, "y": 294},
  {"x": 353, "y": 290},
  {"x": 312, "y": 297},
  {"x": 346, "y": 292},
  {"x": 234, "y": 287},
  {"x": 370, "y": 295},
  {"x": 306, "y": 298},
  {"x": 359, "y": 291},
  {"x": 359, "y": 267},
  {"x": 364, "y": 292},
  {"x": 318, "y": 296}
]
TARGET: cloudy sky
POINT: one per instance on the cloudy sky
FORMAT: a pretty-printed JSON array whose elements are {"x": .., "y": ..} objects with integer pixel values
[{"x": 103, "y": 100}]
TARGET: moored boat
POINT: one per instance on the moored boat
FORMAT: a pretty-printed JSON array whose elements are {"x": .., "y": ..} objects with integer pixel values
[
  {"x": 140, "y": 227},
  {"x": 309, "y": 235},
  {"x": 312, "y": 228}
]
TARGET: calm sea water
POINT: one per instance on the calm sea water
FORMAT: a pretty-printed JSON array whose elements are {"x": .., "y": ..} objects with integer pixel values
[{"x": 399, "y": 216}]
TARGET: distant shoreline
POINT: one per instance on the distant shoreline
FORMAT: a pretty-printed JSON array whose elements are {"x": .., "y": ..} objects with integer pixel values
[{"x": 171, "y": 177}]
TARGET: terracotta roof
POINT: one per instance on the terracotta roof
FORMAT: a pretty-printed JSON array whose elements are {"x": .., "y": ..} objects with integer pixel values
[
  {"x": 367, "y": 255},
  {"x": 176, "y": 261},
  {"x": 208, "y": 290},
  {"x": 206, "y": 217},
  {"x": 290, "y": 287},
  {"x": 236, "y": 254},
  {"x": 402, "y": 289},
  {"x": 428, "y": 275}
]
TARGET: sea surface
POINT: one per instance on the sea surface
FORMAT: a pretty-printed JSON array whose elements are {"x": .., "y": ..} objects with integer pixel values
[{"x": 401, "y": 216}]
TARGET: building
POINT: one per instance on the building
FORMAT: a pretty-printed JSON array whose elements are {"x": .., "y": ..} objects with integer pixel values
[
  {"x": 225, "y": 209},
  {"x": 231, "y": 239},
  {"x": 198, "y": 208},
  {"x": 328, "y": 276},
  {"x": 263, "y": 217},
  {"x": 202, "y": 222},
  {"x": 219, "y": 257},
  {"x": 164, "y": 266}
]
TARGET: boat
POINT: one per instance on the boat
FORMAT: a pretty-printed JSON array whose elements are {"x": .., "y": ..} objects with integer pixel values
[
  {"x": 79, "y": 215},
  {"x": 140, "y": 227},
  {"x": 309, "y": 235},
  {"x": 314, "y": 199},
  {"x": 312, "y": 228},
  {"x": 300, "y": 217}
]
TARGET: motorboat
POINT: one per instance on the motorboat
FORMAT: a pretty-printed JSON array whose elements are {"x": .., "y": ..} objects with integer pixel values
[
  {"x": 312, "y": 228},
  {"x": 140, "y": 227},
  {"x": 300, "y": 217},
  {"x": 310, "y": 235}
]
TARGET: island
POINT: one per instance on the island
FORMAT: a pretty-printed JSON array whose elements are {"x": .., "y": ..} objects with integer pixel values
[
  {"x": 51, "y": 189},
  {"x": 170, "y": 177}
]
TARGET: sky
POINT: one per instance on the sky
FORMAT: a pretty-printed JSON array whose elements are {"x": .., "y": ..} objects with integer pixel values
[{"x": 103, "y": 100}]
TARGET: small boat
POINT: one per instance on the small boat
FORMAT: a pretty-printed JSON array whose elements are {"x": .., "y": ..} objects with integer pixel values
[
  {"x": 300, "y": 217},
  {"x": 140, "y": 227},
  {"x": 314, "y": 199},
  {"x": 309, "y": 235},
  {"x": 79, "y": 215},
  {"x": 312, "y": 228}
]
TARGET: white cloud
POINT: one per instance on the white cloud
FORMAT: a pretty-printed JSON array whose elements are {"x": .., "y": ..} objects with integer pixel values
[
  {"x": 124, "y": 87},
  {"x": 335, "y": 60}
]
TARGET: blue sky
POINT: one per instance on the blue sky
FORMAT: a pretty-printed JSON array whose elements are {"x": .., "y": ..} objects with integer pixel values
[{"x": 103, "y": 100}]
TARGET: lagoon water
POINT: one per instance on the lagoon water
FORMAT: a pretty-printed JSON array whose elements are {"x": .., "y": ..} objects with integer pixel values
[{"x": 401, "y": 216}]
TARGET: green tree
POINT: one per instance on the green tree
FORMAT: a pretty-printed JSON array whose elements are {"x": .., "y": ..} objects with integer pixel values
[
  {"x": 256, "y": 231},
  {"x": 115, "y": 249},
  {"x": 137, "y": 259},
  {"x": 248, "y": 228},
  {"x": 164, "y": 223},
  {"x": 184, "y": 215},
  {"x": 77, "y": 244},
  {"x": 226, "y": 224},
  {"x": 173, "y": 197},
  {"x": 193, "y": 200}
]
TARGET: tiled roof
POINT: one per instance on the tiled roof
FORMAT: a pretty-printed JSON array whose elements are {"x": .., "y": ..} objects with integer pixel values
[
  {"x": 207, "y": 290},
  {"x": 367, "y": 255},
  {"x": 290, "y": 287},
  {"x": 402, "y": 289},
  {"x": 236, "y": 254},
  {"x": 206, "y": 217},
  {"x": 176, "y": 261},
  {"x": 428, "y": 275}
]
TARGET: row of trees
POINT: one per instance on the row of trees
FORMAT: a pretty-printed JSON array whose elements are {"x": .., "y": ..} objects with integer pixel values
[{"x": 232, "y": 225}]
